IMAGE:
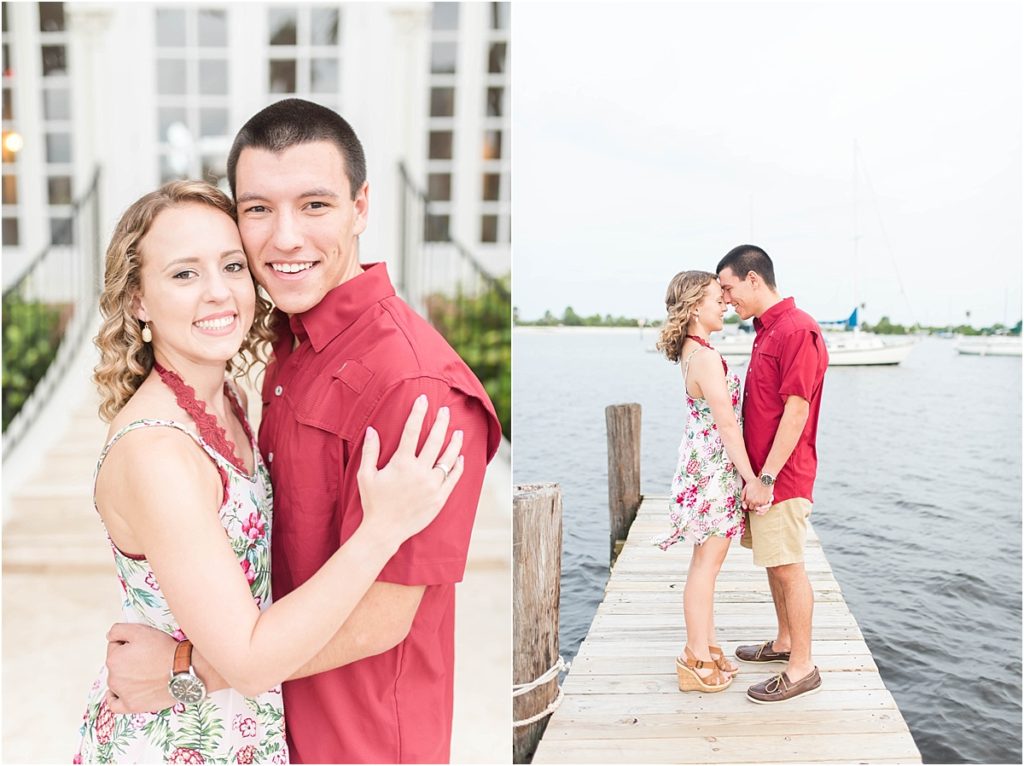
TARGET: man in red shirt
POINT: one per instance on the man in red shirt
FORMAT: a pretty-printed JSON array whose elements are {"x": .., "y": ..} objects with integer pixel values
[
  {"x": 349, "y": 355},
  {"x": 781, "y": 400}
]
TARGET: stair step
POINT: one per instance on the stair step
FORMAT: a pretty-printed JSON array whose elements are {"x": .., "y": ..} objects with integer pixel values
[
  {"x": 52, "y": 505},
  {"x": 56, "y": 554}
]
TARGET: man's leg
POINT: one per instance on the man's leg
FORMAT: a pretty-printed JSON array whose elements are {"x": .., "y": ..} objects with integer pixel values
[
  {"x": 782, "y": 638},
  {"x": 798, "y": 606}
]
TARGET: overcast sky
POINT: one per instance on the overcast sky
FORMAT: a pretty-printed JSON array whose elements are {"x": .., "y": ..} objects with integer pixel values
[{"x": 652, "y": 138}]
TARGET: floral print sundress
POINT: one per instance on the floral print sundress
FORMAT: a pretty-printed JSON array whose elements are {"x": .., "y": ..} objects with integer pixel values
[
  {"x": 226, "y": 727},
  {"x": 706, "y": 488}
]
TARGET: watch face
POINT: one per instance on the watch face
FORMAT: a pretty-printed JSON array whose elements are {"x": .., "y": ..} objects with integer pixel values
[
  {"x": 767, "y": 480},
  {"x": 187, "y": 688}
]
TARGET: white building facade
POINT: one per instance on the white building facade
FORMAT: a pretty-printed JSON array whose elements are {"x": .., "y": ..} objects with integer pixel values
[{"x": 150, "y": 92}]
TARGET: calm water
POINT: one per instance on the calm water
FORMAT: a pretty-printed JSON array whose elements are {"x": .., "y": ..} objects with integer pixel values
[{"x": 917, "y": 503}]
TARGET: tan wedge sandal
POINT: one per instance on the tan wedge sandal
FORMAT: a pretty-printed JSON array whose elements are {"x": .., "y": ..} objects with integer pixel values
[
  {"x": 719, "y": 657},
  {"x": 691, "y": 681}
]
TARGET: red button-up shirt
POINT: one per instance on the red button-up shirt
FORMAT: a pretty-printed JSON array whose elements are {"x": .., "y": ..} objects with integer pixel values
[
  {"x": 788, "y": 359},
  {"x": 362, "y": 358}
]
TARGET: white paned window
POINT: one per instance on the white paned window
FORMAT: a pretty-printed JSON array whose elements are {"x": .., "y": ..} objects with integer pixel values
[
  {"x": 193, "y": 92},
  {"x": 57, "y": 112},
  {"x": 304, "y": 57}
]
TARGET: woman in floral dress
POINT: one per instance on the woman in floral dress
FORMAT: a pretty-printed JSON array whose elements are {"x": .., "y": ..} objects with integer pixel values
[
  {"x": 705, "y": 506},
  {"x": 186, "y": 499}
]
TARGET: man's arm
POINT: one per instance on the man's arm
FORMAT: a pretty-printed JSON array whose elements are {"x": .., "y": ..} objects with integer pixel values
[
  {"x": 139, "y": 657},
  {"x": 794, "y": 417},
  {"x": 380, "y": 622}
]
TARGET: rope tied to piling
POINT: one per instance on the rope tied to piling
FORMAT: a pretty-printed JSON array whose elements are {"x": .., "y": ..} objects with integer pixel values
[{"x": 545, "y": 677}]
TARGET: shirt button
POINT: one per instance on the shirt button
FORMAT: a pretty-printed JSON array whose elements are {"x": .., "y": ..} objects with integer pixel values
[
  {"x": 270, "y": 458},
  {"x": 278, "y": 391}
]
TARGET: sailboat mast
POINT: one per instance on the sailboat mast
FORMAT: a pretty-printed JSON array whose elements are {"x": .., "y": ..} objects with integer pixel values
[{"x": 856, "y": 236}]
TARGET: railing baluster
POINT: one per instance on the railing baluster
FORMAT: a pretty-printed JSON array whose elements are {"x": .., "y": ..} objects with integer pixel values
[
  {"x": 446, "y": 282},
  {"x": 55, "y": 294}
]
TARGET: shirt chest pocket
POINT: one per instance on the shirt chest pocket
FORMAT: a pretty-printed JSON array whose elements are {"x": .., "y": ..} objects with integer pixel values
[
  {"x": 325, "y": 414},
  {"x": 765, "y": 365}
]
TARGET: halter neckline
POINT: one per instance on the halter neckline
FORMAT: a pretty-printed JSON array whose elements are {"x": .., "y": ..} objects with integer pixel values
[
  {"x": 705, "y": 344},
  {"x": 701, "y": 341},
  {"x": 209, "y": 427}
]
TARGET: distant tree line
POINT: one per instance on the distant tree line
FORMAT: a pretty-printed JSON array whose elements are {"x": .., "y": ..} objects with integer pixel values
[
  {"x": 570, "y": 318},
  {"x": 885, "y": 327}
]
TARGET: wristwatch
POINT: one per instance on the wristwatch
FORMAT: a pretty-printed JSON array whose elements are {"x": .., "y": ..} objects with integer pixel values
[
  {"x": 185, "y": 686},
  {"x": 767, "y": 479}
]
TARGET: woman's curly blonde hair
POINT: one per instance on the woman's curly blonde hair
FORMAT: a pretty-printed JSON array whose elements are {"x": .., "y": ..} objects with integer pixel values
[
  {"x": 684, "y": 292},
  {"x": 125, "y": 360}
]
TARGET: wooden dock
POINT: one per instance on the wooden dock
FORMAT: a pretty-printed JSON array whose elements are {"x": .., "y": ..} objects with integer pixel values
[{"x": 622, "y": 704}]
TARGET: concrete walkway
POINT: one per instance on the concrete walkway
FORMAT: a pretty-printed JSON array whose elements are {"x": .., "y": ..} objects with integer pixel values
[{"x": 60, "y": 595}]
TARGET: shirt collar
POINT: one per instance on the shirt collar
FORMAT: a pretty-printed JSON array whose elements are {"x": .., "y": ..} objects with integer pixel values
[
  {"x": 342, "y": 306},
  {"x": 772, "y": 315}
]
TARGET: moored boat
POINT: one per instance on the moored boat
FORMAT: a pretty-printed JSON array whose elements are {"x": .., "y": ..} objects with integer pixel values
[{"x": 989, "y": 345}]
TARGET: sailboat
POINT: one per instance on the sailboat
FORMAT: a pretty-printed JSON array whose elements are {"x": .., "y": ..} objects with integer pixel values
[{"x": 849, "y": 346}]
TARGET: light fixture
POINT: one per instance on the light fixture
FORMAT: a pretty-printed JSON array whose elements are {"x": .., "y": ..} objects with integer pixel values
[{"x": 13, "y": 142}]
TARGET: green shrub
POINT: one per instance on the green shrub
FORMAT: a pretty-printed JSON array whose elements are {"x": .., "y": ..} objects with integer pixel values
[
  {"x": 480, "y": 330},
  {"x": 31, "y": 336}
]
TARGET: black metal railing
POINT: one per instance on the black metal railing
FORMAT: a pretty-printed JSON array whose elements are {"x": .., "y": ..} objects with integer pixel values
[
  {"x": 440, "y": 278},
  {"x": 47, "y": 312}
]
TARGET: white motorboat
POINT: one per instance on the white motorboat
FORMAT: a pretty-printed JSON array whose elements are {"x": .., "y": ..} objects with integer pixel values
[{"x": 989, "y": 345}]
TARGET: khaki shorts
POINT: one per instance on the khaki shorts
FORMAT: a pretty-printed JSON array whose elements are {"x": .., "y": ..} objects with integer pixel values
[{"x": 778, "y": 537}]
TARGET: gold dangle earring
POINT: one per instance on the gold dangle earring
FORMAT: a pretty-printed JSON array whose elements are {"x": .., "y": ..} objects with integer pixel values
[{"x": 147, "y": 334}]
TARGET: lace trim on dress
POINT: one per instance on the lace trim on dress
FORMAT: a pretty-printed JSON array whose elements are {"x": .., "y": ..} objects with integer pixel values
[
  {"x": 209, "y": 428},
  {"x": 705, "y": 344}
]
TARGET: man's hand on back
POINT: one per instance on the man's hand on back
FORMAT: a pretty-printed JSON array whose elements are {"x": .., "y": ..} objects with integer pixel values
[{"x": 139, "y": 660}]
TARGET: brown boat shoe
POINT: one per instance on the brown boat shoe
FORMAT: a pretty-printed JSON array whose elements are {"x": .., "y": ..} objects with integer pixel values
[
  {"x": 779, "y": 688},
  {"x": 760, "y": 653}
]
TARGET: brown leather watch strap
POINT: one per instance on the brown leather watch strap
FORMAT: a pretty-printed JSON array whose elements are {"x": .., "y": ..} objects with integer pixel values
[{"x": 182, "y": 657}]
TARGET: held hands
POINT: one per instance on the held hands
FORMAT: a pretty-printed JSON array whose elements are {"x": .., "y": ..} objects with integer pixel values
[
  {"x": 757, "y": 498},
  {"x": 408, "y": 493}
]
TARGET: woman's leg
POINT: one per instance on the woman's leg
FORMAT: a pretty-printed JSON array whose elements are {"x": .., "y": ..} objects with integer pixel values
[
  {"x": 729, "y": 667},
  {"x": 699, "y": 594}
]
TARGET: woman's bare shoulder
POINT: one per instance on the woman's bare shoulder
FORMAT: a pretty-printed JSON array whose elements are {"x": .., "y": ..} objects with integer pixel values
[
  {"x": 151, "y": 401},
  {"x": 156, "y": 453}
]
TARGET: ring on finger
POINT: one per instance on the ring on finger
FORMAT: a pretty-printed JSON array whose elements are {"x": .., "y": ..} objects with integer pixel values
[{"x": 444, "y": 469}]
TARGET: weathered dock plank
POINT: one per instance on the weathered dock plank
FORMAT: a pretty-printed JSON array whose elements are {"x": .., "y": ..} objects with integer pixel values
[{"x": 622, "y": 704}]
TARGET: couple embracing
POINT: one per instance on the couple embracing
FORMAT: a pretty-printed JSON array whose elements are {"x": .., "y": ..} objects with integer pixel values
[
  {"x": 351, "y": 632},
  {"x": 745, "y": 471}
]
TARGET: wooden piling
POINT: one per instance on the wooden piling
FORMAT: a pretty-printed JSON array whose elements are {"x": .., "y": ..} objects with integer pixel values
[
  {"x": 537, "y": 571},
  {"x": 623, "y": 428}
]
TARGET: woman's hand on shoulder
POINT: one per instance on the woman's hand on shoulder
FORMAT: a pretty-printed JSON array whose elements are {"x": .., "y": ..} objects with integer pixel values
[{"x": 408, "y": 493}]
